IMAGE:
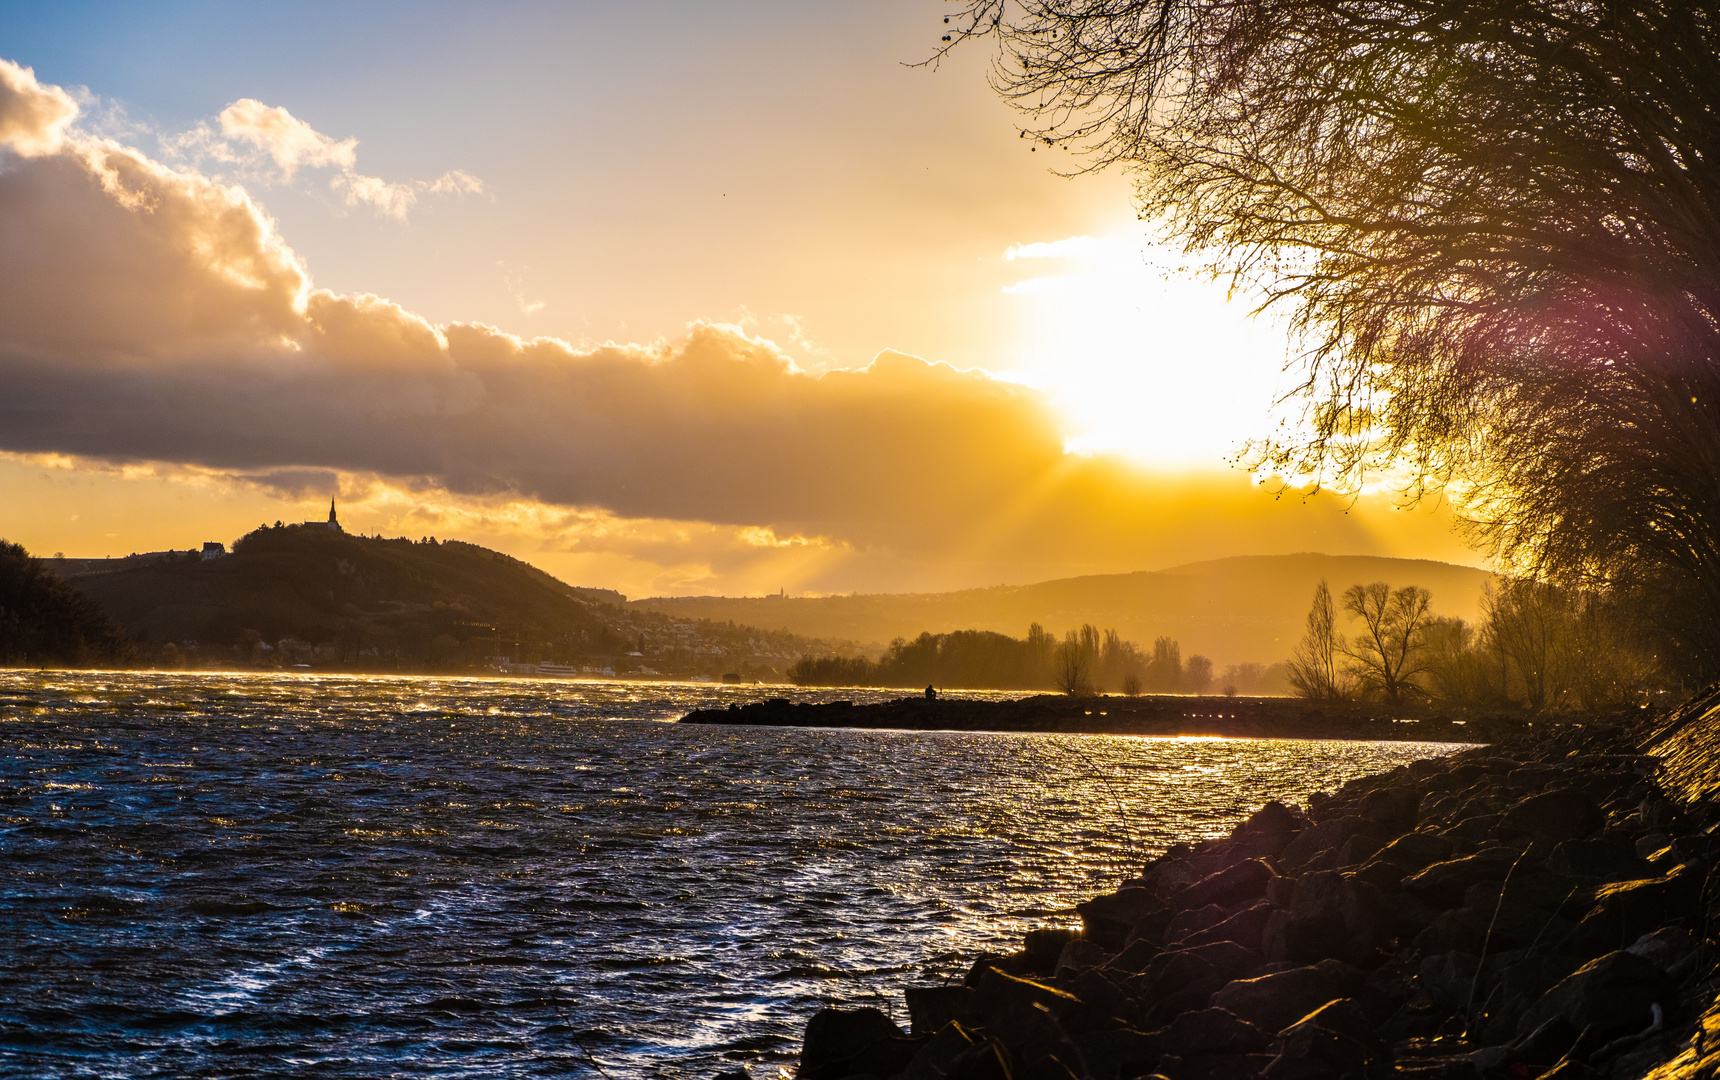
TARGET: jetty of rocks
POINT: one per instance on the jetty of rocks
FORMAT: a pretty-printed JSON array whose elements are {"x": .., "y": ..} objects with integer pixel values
[
  {"x": 1545, "y": 906},
  {"x": 1247, "y": 717}
]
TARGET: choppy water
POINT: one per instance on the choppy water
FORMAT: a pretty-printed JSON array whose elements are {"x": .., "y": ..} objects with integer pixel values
[{"x": 237, "y": 875}]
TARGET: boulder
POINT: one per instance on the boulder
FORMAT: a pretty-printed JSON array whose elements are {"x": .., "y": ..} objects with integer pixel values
[
  {"x": 848, "y": 1042},
  {"x": 1612, "y": 995},
  {"x": 934, "y": 1060},
  {"x": 1134, "y": 959},
  {"x": 1415, "y": 851},
  {"x": 1445, "y": 883},
  {"x": 1106, "y": 920},
  {"x": 1560, "y": 815},
  {"x": 1273, "y": 1002},
  {"x": 1192, "y": 921},
  {"x": 1079, "y": 955},
  {"x": 1244, "y": 928},
  {"x": 1044, "y": 946},
  {"x": 1337, "y": 1040},
  {"x": 1600, "y": 857},
  {"x": 1246, "y": 881},
  {"x": 1210, "y": 1031},
  {"x": 1626, "y": 910},
  {"x": 1392, "y": 807},
  {"x": 930, "y": 1008},
  {"x": 1328, "y": 835},
  {"x": 1447, "y": 978},
  {"x": 1265, "y": 834},
  {"x": 1329, "y": 916}
]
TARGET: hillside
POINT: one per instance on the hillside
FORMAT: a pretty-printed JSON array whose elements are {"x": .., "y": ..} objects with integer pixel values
[
  {"x": 44, "y": 622},
  {"x": 1236, "y": 610},
  {"x": 308, "y": 595}
]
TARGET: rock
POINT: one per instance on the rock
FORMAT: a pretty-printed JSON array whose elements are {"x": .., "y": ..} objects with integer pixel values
[
  {"x": 1445, "y": 883},
  {"x": 1415, "y": 851},
  {"x": 847, "y": 1042},
  {"x": 1447, "y": 978},
  {"x": 1265, "y": 834},
  {"x": 1647, "y": 846},
  {"x": 1106, "y": 920},
  {"x": 1119, "y": 1052},
  {"x": 1243, "y": 928},
  {"x": 1626, "y": 910},
  {"x": 1600, "y": 857},
  {"x": 1244, "y": 881},
  {"x": 1611, "y": 995},
  {"x": 1025, "y": 1015},
  {"x": 1184, "y": 923},
  {"x": 1472, "y": 831},
  {"x": 1393, "y": 808},
  {"x": 1330, "y": 916},
  {"x": 1105, "y": 1000},
  {"x": 1560, "y": 815},
  {"x": 935, "y": 1059},
  {"x": 1665, "y": 947},
  {"x": 1177, "y": 980},
  {"x": 1327, "y": 836},
  {"x": 1044, "y": 946},
  {"x": 1079, "y": 955},
  {"x": 930, "y": 1008},
  {"x": 1134, "y": 959},
  {"x": 1357, "y": 849},
  {"x": 1336, "y": 1040},
  {"x": 1273, "y": 1002},
  {"x": 1209, "y": 1031}
]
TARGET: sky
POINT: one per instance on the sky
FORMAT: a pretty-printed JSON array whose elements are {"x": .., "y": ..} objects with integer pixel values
[{"x": 671, "y": 298}]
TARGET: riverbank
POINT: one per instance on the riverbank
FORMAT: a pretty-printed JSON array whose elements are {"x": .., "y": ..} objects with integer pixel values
[
  {"x": 1166, "y": 715},
  {"x": 1538, "y": 907}
]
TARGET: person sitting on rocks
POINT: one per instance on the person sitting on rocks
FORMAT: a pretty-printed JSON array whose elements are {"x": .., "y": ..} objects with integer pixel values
[{"x": 931, "y": 693}]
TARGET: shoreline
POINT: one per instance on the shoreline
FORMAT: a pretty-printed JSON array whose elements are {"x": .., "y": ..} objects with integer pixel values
[
  {"x": 1167, "y": 715},
  {"x": 1540, "y": 906}
]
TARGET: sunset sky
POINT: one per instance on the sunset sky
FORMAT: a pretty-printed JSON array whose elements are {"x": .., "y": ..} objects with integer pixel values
[{"x": 669, "y": 298}]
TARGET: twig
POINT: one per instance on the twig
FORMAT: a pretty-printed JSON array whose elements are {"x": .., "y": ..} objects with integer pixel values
[{"x": 1487, "y": 942}]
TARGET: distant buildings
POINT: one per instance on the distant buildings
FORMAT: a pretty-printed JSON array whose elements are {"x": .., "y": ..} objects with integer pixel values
[{"x": 332, "y": 524}]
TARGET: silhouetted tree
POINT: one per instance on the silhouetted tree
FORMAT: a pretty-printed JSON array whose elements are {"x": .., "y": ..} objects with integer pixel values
[
  {"x": 1497, "y": 224},
  {"x": 1073, "y": 671},
  {"x": 46, "y": 622},
  {"x": 1197, "y": 674},
  {"x": 1165, "y": 669},
  {"x": 1313, "y": 665},
  {"x": 1386, "y": 653}
]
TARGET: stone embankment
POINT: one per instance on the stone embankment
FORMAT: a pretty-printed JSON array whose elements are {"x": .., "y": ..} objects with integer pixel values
[
  {"x": 1252, "y": 717},
  {"x": 1539, "y": 907}
]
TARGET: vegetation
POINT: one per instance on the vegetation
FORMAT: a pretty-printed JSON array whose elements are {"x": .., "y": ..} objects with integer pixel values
[
  {"x": 292, "y": 595},
  {"x": 1540, "y": 647},
  {"x": 1086, "y": 661},
  {"x": 46, "y": 623},
  {"x": 1495, "y": 226}
]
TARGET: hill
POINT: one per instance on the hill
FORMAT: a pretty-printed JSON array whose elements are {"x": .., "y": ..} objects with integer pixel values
[
  {"x": 1236, "y": 610},
  {"x": 307, "y": 595},
  {"x": 46, "y": 622}
]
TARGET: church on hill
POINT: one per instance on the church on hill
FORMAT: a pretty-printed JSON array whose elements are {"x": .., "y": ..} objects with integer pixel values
[{"x": 332, "y": 524}]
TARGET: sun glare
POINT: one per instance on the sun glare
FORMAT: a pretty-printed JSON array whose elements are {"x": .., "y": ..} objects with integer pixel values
[{"x": 1144, "y": 357}]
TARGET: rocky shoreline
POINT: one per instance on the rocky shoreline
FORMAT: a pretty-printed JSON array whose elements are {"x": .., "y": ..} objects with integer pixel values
[
  {"x": 1239, "y": 717},
  {"x": 1538, "y": 907}
]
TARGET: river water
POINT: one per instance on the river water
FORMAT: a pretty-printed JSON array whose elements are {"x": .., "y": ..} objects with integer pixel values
[{"x": 264, "y": 875}]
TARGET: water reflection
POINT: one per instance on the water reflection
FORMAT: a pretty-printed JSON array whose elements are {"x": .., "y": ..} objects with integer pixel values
[{"x": 209, "y": 874}]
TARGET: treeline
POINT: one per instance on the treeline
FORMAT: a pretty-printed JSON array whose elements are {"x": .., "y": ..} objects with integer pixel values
[
  {"x": 1084, "y": 661},
  {"x": 46, "y": 623},
  {"x": 1537, "y": 646}
]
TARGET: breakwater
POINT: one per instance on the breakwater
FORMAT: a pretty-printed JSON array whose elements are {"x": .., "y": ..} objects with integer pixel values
[
  {"x": 1251, "y": 717},
  {"x": 1537, "y": 907}
]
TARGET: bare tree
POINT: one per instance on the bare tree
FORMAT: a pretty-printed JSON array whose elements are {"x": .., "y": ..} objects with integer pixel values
[
  {"x": 1197, "y": 674},
  {"x": 1497, "y": 226},
  {"x": 1386, "y": 655},
  {"x": 1071, "y": 668},
  {"x": 1314, "y": 664}
]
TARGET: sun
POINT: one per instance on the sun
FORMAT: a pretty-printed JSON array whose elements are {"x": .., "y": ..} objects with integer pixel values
[{"x": 1143, "y": 356}]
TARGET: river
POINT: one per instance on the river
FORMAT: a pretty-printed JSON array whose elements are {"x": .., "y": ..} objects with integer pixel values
[{"x": 209, "y": 875}]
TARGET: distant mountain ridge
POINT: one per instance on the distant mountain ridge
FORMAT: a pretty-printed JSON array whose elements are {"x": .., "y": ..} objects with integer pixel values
[
  {"x": 307, "y": 595},
  {"x": 1248, "y": 608}
]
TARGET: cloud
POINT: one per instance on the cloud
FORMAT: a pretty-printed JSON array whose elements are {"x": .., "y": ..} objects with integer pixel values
[
  {"x": 252, "y": 133},
  {"x": 288, "y": 140},
  {"x": 154, "y": 314},
  {"x": 33, "y": 117}
]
